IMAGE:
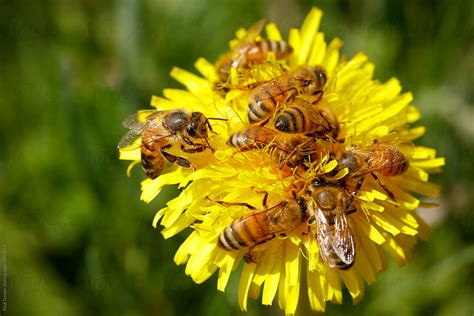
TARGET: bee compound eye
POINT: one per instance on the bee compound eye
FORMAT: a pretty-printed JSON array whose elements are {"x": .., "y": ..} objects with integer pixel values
[
  {"x": 191, "y": 130},
  {"x": 322, "y": 77}
]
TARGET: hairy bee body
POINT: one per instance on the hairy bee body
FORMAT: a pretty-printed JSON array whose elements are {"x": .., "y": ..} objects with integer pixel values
[
  {"x": 304, "y": 117},
  {"x": 383, "y": 159},
  {"x": 159, "y": 131},
  {"x": 259, "y": 137},
  {"x": 265, "y": 99},
  {"x": 250, "y": 51},
  {"x": 259, "y": 227},
  {"x": 334, "y": 235}
]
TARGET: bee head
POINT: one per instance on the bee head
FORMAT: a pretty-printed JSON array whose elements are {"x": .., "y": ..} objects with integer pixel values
[
  {"x": 320, "y": 75},
  {"x": 314, "y": 79},
  {"x": 197, "y": 127}
]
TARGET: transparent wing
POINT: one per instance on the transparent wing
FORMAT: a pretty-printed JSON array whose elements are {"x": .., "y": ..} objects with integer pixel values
[
  {"x": 252, "y": 33},
  {"x": 323, "y": 237},
  {"x": 343, "y": 239},
  {"x": 135, "y": 123},
  {"x": 138, "y": 118},
  {"x": 128, "y": 140},
  {"x": 381, "y": 156},
  {"x": 244, "y": 43},
  {"x": 336, "y": 242}
]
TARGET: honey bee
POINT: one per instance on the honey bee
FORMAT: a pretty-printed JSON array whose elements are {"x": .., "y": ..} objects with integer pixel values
[
  {"x": 265, "y": 99},
  {"x": 334, "y": 236},
  {"x": 159, "y": 131},
  {"x": 382, "y": 159},
  {"x": 259, "y": 137},
  {"x": 250, "y": 52},
  {"x": 262, "y": 226},
  {"x": 304, "y": 117},
  {"x": 293, "y": 149}
]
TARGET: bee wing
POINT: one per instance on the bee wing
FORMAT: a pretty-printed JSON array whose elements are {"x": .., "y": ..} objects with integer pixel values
[
  {"x": 383, "y": 155},
  {"x": 324, "y": 239},
  {"x": 242, "y": 46},
  {"x": 128, "y": 139},
  {"x": 253, "y": 32},
  {"x": 343, "y": 242},
  {"x": 135, "y": 123},
  {"x": 336, "y": 242}
]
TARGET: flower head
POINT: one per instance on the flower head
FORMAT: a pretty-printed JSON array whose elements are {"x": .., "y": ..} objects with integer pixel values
[{"x": 225, "y": 184}]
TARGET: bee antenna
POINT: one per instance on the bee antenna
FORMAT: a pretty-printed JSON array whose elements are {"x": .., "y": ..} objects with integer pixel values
[
  {"x": 209, "y": 145},
  {"x": 210, "y": 127}
]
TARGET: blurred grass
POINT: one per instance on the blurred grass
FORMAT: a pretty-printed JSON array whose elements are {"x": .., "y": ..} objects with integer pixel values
[{"x": 77, "y": 238}]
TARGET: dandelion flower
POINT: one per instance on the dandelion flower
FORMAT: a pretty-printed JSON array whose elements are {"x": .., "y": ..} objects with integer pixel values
[{"x": 215, "y": 190}]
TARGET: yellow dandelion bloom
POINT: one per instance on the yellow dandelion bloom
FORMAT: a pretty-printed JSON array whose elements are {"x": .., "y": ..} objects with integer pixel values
[{"x": 225, "y": 183}]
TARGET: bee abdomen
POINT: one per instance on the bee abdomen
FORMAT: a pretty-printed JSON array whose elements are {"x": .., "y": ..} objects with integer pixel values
[
  {"x": 239, "y": 235},
  {"x": 292, "y": 120},
  {"x": 399, "y": 163},
  {"x": 238, "y": 139},
  {"x": 260, "y": 49},
  {"x": 260, "y": 109},
  {"x": 152, "y": 162}
]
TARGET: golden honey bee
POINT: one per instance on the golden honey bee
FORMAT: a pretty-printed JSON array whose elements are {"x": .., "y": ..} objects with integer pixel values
[
  {"x": 334, "y": 235},
  {"x": 293, "y": 149},
  {"x": 259, "y": 137},
  {"x": 265, "y": 99},
  {"x": 325, "y": 204},
  {"x": 250, "y": 51},
  {"x": 379, "y": 158},
  {"x": 304, "y": 117},
  {"x": 262, "y": 226},
  {"x": 159, "y": 131}
]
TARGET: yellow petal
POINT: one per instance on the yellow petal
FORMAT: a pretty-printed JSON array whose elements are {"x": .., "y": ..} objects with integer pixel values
[
  {"x": 206, "y": 69},
  {"x": 318, "y": 51},
  {"x": 308, "y": 31},
  {"x": 273, "y": 32},
  {"x": 273, "y": 279},
  {"x": 316, "y": 285},
  {"x": 245, "y": 280}
]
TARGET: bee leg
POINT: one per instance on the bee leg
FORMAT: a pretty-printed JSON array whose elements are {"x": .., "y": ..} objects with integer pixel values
[
  {"x": 209, "y": 145},
  {"x": 183, "y": 162},
  {"x": 209, "y": 125},
  {"x": 389, "y": 193},
  {"x": 265, "y": 197},
  {"x": 249, "y": 257},
  {"x": 232, "y": 203},
  {"x": 188, "y": 141},
  {"x": 353, "y": 194},
  {"x": 197, "y": 149},
  {"x": 191, "y": 143}
]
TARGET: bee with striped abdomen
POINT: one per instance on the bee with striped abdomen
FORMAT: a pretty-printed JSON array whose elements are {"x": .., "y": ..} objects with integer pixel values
[
  {"x": 293, "y": 150},
  {"x": 334, "y": 235},
  {"x": 262, "y": 226},
  {"x": 265, "y": 99},
  {"x": 304, "y": 117},
  {"x": 159, "y": 130},
  {"x": 377, "y": 159},
  {"x": 250, "y": 51}
]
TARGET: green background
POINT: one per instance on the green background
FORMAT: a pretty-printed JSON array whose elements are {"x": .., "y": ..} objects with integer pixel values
[{"x": 75, "y": 238}]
